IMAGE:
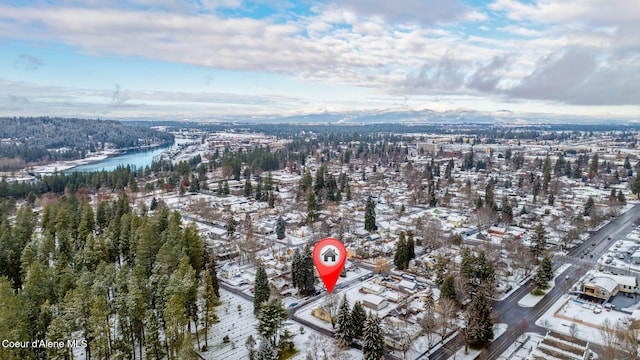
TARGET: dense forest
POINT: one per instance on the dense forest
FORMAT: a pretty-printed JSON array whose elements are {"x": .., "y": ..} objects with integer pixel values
[
  {"x": 114, "y": 279},
  {"x": 43, "y": 139}
]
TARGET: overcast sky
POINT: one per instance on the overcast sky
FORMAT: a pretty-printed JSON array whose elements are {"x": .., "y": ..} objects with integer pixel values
[{"x": 201, "y": 59}]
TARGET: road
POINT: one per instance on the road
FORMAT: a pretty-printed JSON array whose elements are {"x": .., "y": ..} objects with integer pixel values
[
  {"x": 521, "y": 319},
  {"x": 507, "y": 311}
]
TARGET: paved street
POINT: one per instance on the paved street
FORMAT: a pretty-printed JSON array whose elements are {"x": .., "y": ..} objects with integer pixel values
[
  {"x": 522, "y": 319},
  {"x": 519, "y": 319}
]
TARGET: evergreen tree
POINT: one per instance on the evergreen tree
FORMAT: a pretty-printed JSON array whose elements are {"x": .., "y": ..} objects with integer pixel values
[
  {"x": 621, "y": 198},
  {"x": 593, "y": 167},
  {"x": 373, "y": 339},
  {"x": 588, "y": 206},
  {"x": 153, "y": 344},
  {"x": 231, "y": 225},
  {"x": 308, "y": 283},
  {"x": 225, "y": 187},
  {"x": 539, "y": 241},
  {"x": 266, "y": 351},
  {"x": 270, "y": 319},
  {"x": 210, "y": 266},
  {"x": 544, "y": 273},
  {"x": 441, "y": 268},
  {"x": 358, "y": 318},
  {"x": 250, "y": 343},
  {"x": 478, "y": 270},
  {"x": 401, "y": 257},
  {"x": 320, "y": 179},
  {"x": 345, "y": 331},
  {"x": 248, "y": 189},
  {"x": 296, "y": 268},
  {"x": 259, "y": 194},
  {"x": 370, "y": 215},
  {"x": 312, "y": 207},
  {"x": 305, "y": 182},
  {"x": 210, "y": 300},
  {"x": 479, "y": 325},
  {"x": 411, "y": 246},
  {"x": 448, "y": 288},
  {"x": 11, "y": 322},
  {"x": 506, "y": 210},
  {"x": 261, "y": 291},
  {"x": 280, "y": 228},
  {"x": 303, "y": 273}
]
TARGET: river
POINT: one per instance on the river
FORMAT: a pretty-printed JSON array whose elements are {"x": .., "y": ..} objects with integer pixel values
[{"x": 137, "y": 158}]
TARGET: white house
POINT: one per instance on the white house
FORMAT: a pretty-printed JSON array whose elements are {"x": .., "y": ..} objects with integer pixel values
[{"x": 374, "y": 302}]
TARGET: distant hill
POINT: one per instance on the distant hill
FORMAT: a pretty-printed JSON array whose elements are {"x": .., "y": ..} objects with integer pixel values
[{"x": 39, "y": 140}]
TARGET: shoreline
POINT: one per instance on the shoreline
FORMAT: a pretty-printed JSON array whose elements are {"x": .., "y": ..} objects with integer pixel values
[{"x": 31, "y": 173}]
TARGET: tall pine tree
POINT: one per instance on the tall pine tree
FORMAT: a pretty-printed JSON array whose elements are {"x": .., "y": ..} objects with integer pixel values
[
  {"x": 280, "y": 228},
  {"x": 401, "y": 257},
  {"x": 539, "y": 241},
  {"x": 373, "y": 339},
  {"x": 479, "y": 325},
  {"x": 261, "y": 291},
  {"x": 369, "y": 215},
  {"x": 270, "y": 319},
  {"x": 344, "y": 332},
  {"x": 358, "y": 317}
]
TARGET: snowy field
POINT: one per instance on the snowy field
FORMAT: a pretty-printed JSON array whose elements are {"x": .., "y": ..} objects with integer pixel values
[{"x": 238, "y": 322}]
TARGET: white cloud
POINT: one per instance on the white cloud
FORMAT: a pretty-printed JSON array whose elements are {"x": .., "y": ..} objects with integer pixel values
[{"x": 411, "y": 47}]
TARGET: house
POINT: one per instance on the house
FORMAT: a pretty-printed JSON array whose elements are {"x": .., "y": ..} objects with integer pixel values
[
  {"x": 407, "y": 285},
  {"x": 601, "y": 287},
  {"x": 370, "y": 288},
  {"x": 374, "y": 302},
  {"x": 604, "y": 286},
  {"x": 321, "y": 314},
  {"x": 559, "y": 346},
  {"x": 230, "y": 270},
  {"x": 216, "y": 233},
  {"x": 495, "y": 230}
]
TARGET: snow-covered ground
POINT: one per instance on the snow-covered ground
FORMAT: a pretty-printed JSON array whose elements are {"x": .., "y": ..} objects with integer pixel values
[
  {"x": 238, "y": 322},
  {"x": 522, "y": 347},
  {"x": 572, "y": 312},
  {"x": 531, "y": 300},
  {"x": 498, "y": 329},
  {"x": 353, "y": 294}
]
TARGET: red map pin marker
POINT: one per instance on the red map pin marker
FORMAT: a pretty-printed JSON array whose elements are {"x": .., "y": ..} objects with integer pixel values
[{"x": 329, "y": 255}]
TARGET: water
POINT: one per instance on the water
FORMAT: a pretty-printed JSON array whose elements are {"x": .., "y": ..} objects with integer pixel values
[{"x": 139, "y": 159}]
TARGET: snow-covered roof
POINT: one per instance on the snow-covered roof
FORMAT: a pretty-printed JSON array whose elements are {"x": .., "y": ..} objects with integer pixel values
[
  {"x": 629, "y": 281},
  {"x": 373, "y": 299},
  {"x": 406, "y": 284},
  {"x": 375, "y": 288},
  {"x": 604, "y": 282}
]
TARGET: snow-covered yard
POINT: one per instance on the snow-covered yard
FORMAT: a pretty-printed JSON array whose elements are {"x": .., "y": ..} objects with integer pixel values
[
  {"x": 565, "y": 312},
  {"x": 238, "y": 322}
]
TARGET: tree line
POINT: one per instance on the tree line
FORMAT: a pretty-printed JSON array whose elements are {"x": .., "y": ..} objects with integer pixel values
[
  {"x": 128, "y": 283},
  {"x": 44, "y": 139}
]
